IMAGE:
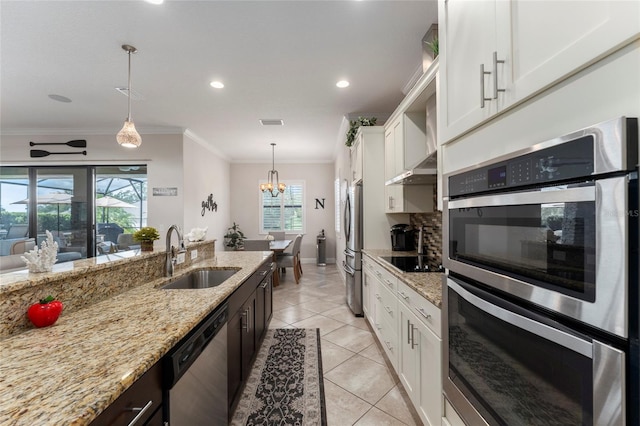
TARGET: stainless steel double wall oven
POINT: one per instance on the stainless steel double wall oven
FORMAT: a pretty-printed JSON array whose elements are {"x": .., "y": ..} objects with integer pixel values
[{"x": 540, "y": 305}]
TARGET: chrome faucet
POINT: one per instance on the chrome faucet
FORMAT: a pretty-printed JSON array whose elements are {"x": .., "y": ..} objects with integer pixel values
[{"x": 172, "y": 254}]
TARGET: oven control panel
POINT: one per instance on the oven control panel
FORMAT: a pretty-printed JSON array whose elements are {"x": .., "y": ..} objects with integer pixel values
[{"x": 570, "y": 160}]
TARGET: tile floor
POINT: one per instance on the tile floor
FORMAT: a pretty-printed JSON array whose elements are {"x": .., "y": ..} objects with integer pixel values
[{"x": 359, "y": 387}]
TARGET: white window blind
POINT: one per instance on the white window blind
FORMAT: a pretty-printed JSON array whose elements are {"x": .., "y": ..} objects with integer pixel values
[
  {"x": 336, "y": 197},
  {"x": 284, "y": 212}
]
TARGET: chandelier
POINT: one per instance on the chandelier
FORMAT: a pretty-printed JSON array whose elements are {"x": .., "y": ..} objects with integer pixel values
[
  {"x": 128, "y": 136},
  {"x": 274, "y": 187}
]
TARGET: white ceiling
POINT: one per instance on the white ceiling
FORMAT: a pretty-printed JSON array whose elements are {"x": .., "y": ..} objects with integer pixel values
[{"x": 277, "y": 59}]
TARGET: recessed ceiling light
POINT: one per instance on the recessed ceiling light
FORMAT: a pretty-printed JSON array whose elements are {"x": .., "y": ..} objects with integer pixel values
[
  {"x": 216, "y": 84},
  {"x": 59, "y": 98},
  {"x": 342, "y": 84},
  {"x": 155, "y": 1},
  {"x": 271, "y": 122}
]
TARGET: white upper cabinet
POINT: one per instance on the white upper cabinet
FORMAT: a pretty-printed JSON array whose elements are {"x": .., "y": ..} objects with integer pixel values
[
  {"x": 496, "y": 54},
  {"x": 356, "y": 159}
]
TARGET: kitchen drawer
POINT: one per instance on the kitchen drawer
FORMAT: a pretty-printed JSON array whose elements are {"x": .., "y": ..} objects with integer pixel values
[
  {"x": 145, "y": 394},
  {"x": 388, "y": 304},
  {"x": 386, "y": 278},
  {"x": 389, "y": 341},
  {"x": 427, "y": 312}
]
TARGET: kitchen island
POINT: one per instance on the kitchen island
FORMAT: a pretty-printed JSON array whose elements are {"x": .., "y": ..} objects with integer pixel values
[{"x": 72, "y": 371}]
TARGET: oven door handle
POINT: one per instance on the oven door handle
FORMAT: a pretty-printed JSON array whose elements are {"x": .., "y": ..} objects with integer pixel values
[
  {"x": 570, "y": 195},
  {"x": 562, "y": 338}
]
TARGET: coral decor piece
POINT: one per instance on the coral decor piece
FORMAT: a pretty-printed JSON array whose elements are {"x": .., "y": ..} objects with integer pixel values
[
  {"x": 42, "y": 259},
  {"x": 197, "y": 234}
]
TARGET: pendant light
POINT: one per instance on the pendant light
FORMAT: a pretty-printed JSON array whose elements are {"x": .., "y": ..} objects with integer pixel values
[
  {"x": 273, "y": 187},
  {"x": 128, "y": 137}
]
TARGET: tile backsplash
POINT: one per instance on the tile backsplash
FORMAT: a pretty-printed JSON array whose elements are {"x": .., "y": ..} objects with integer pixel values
[{"x": 432, "y": 223}]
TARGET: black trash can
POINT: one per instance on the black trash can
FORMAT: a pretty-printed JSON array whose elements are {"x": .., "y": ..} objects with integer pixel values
[{"x": 321, "y": 248}]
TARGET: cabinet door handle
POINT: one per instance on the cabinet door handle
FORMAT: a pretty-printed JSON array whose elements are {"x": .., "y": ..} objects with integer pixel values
[
  {"x": 423, "y": 313},
  {"x": 249, "y": 319},
  {"x": 413, "y": 337},
  {"x": 245, "y": 314},
  {"x": 482, "y": 97},
  {"x": 408, "y": 332},
  {"x": 404, "y": 296},
  {"x": 141, "y": 412},
  {"x": 495, "y": 75}
]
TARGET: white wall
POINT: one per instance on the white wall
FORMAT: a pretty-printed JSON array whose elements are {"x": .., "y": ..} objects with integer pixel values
[
  {"x": 206, "y": 173},
  {"x": 318, "y": 178},
  {"x": 172, "y": 161}
]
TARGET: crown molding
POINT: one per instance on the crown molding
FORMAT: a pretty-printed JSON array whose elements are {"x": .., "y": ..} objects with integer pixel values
[
  {"x": 413, "y": 79},
  {"x": 95, "y": 131},
  {"x": 203, "y": 143}
]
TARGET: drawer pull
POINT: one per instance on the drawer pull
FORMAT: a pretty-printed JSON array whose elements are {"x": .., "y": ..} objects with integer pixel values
[
  {"x": 389, "y": 283},
  {"x": 413, "y": 337},
  {"x": 423, "y": 313},
  {"x": 378, "y": 296},
  {"x": 388, "y": 345},
  {"x": 378, "y": 326},
  {"x": 404, "y": 296},
  {"x": 141, "y": 412},
  {"x": 389, "y": 311}
]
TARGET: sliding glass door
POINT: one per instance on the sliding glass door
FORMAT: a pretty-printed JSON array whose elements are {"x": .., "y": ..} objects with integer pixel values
[{"x": 89, "y": 210}]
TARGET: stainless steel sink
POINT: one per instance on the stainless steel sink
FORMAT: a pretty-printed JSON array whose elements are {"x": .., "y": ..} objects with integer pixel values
[{"x": 201, "y": 279}]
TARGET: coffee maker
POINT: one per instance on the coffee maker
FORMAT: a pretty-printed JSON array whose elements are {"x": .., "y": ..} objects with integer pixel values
[{"x": 403, "y": 237}]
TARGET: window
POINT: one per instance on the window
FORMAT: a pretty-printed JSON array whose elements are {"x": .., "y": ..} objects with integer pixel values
[
  {"x": 284, "y": 212},
  {"x": 336, "y": 197}
]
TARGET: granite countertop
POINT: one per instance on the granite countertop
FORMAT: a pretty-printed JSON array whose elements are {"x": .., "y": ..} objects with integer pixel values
[
  {"x": 70, "y": 372},
  {"x": 427, "y": 284}
]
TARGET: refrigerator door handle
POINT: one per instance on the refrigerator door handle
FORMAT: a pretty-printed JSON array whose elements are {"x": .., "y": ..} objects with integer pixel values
[
  {"x": 348, "y": 269},
  {"x": 349, "y": 254}
]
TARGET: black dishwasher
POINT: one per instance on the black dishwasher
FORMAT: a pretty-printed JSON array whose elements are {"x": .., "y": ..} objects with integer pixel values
[{"x": 196, "y": 375}]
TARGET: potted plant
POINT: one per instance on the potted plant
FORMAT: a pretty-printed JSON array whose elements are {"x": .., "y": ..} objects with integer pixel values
[
  {"x": 146, "y": 235},
  {"x": 234, "y": 237},
  {"x": 353, "y": 129}
]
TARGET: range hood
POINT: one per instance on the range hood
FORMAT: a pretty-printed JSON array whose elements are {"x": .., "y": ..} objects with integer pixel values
[{"x": 424, "y": 173}]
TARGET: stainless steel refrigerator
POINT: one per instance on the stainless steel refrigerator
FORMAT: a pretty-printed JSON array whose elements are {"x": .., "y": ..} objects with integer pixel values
[{"x": 353, "y": 257}]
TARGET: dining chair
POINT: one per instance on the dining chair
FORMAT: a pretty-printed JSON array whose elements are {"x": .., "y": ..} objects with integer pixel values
[
  {"x": 292, "y": 260},
  {"x": 256, "y": 245},
  {"x": 277, "y": 235}
]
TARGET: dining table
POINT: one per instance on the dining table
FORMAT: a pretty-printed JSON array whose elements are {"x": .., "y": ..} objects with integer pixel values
[{"x": 277, "y": 247}]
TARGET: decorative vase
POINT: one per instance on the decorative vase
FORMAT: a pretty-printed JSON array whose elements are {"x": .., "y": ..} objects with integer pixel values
[{"x": 146, "y": 245}]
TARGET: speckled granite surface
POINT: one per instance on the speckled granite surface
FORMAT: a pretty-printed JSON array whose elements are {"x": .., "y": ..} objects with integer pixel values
[
  {"x": 84, "y": 282},
  {"x": 427, "y": 284},
  {"x": 68, "y": 373}
]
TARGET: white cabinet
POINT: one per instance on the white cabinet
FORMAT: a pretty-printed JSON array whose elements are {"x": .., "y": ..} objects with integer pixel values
[
  {"x": 402, "y": 198},
  {"x": 356, "y": 159},
  {"x": 419, "y": 366},
  {"x": 420, "y": 353},
  {"x": 495, "y": 54},
  {"x": 408, "y": 328}
]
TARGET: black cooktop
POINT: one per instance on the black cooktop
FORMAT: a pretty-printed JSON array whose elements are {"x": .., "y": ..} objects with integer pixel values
[{"x": 412, "y": 263}]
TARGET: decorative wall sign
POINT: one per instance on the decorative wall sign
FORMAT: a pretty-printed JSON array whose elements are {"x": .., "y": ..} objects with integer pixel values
[
  {"x": 165, "y": 192},
  {"x": 209, "y": 204},
  {"x": 38, "y": 153},
  {"x": 319, "y": 203}
]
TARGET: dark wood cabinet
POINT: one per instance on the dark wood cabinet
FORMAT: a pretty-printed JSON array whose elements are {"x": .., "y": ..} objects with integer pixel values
[
  {"x": 143, "y": 398},
  {"x": 264, "y": 307},
  {"x": 251, "y": 309}
]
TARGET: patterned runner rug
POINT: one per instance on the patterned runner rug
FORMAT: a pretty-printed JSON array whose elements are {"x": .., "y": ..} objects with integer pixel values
[{"x": 285, "y": 385}]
